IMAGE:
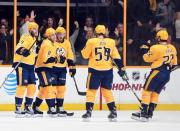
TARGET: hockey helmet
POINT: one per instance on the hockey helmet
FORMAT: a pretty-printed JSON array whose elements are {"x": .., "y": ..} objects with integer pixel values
[{"x": 100, "y": 29}]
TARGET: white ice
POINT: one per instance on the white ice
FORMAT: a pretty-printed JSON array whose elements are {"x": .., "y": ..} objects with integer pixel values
[{"x": 162, "y": 121}]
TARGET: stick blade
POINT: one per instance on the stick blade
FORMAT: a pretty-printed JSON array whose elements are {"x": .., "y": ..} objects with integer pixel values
[{"x": 82, "y": 93}]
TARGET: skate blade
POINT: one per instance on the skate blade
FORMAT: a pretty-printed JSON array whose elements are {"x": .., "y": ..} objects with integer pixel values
[
  {"x": 29, "y": 115},
  {"x": 38, "y": 115},
  {"x": 53, "y": 115},
  {"x": 142, "y": 119},
  {"x": 66, "y": 115},
  {"x": 62, "y": 115},
  {"x": 20, "y": 116},
  {"x": 112, "y": 120},
  {"x": 86, "y": 119},
  {"x": 70, "y": 114}
]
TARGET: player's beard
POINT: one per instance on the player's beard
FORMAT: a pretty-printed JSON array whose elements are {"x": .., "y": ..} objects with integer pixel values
[{"x": 34, "y": 33}]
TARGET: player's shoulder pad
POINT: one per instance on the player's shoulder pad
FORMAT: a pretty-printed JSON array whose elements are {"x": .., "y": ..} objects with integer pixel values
[
  {"x": 172, "y": 47},
  {"x": 110, "y": 40},
  {"x": 45, "y": 42},
  {"x": 154, "y": 48},
  {"x": 26, "y": 36},
  {"x": 92, "y": 39},
  {"x": 66, "y": 41}
]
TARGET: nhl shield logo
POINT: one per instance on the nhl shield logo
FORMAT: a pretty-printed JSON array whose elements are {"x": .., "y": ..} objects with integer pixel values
[{"x": 136, "y": 75}]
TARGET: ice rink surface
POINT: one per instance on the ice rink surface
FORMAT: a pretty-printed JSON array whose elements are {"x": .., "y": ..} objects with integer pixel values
[{"x": 162, "y": 121}]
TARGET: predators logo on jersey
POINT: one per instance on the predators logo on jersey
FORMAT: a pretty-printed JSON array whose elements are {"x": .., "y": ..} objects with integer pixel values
[
  {"x": 161, "y": 54},
  {"x": 99, "y": 52},
  {"x": 65, "y": 50},
  {"x": 61, "y": 51}
]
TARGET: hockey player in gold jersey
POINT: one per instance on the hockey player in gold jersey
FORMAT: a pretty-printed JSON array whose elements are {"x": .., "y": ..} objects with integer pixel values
[
  {"x": 66, "y": 57},
  {"x": 100, "y": 51},
  {"x": 44, "y": 64},
  {"x": 25, "y": 54},
  {"x": 163, "y": 57}
]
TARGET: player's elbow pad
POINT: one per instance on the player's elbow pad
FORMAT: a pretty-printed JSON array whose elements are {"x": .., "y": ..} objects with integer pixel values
[
  {"x": 19, "y": 50},
  {"x": 70, "y": 62},
  {"x": 50, "y": 60},
  {"x": 119, "y": 63}
]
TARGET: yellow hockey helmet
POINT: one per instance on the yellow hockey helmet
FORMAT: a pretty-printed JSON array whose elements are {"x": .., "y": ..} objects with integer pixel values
[
  {"x": 60, "y": 30},
  {"x": 100, "y": 29},
  {"x": 49, "y": 32},
  {"x": 32, "y": 25},
  {"x": 162, "y": 34}
]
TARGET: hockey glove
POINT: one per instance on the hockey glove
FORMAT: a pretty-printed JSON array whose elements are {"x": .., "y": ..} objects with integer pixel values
[
  {"x": 144, "y": 48},
  {"x": 50, "y": 60},
  {"x": 72, "y": 71},
  {"x": 72, "y": 67},
  {"x": 62, "y": 59},
  {"x": 123, "y": 75},
  {"x": 23, "y": 51}
]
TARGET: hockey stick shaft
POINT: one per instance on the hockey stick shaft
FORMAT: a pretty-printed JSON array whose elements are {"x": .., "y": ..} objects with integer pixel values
[
  {"x": 17, "y": 65},
  {"x": 133, "y": 91},
  {"x": 129, "y": 86},
  {"x": 175, "y": 68},
  {"x": 79, "y": 92}
]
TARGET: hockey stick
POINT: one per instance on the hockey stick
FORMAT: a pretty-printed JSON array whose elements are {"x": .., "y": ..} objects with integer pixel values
[
  {"x": 127, "y": 82},
  {"x": 79, "y": 92},
  {"x": 16, "y": 65},
  {"x": 133, "y": 91},
  {"x": 175, "y": 68}
]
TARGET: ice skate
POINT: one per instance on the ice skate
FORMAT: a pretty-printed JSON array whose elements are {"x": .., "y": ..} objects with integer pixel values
[
  {"x": 52, "y": 112},
  {"x": 86, "y": 117},
  {"x": 28, "y": 111},
  {"x": 62, "y": 113},
  {"x": 19, "y": 113},
  {"x": 37, "y": 112},
  {"x": 139, "y": 116},
  {"x": 112, "y": 116}
]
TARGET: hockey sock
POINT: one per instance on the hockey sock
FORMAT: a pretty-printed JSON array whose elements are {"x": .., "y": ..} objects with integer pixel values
[
  {"x": 144, "y": 108},
  {"x": 38, "y": 102},
  {"x": 152, "y": 106},
  {"x": 18, "y": 101},
  {"x": 89, "y": 106},
  {"x": 111, "y": 106},
  {"x": 154, "y": 97},
  {"x": 28, "y": 101},
  {"x": 59, "y": 102},
  {"x": 31, "y": 89},
  {"x": 107, "y": 94},
  {"x": 50, "y": 102},
  {"x": 146, "y": 97}
]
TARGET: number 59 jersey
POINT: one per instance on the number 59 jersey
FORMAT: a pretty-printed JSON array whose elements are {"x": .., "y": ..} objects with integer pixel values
[
  {"x": 161, "y": 54},
  {"x": 99, "y": 51}
]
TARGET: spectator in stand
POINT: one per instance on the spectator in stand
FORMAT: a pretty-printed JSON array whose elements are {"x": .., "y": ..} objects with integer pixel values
[
  {"x": 82, "y": 38},
  {"x": 177, "y": 5},
  {"x": 165, "y": 14},
  {"x": 4, "y": 45},
  {"x": 177, "y": 28},
  {"x": 118, "y": 36},
  {"x": 23, "y": 27},
  {"x": 4, "y": 22},
  {"x": 51, "y": 23},
  {"x": 73, "y": 38},
  {"x": 142, "y": 24},
  {"x": 84, "y": 34}
]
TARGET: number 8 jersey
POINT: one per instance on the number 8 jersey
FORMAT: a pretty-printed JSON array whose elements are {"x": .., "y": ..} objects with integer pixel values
[
  {"x": 99, "y": 51},
  {"x": 161, "y": 54}
]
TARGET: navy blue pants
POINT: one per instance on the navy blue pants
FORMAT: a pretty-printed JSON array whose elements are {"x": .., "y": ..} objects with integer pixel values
[{"x": 156, "y": 80}]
